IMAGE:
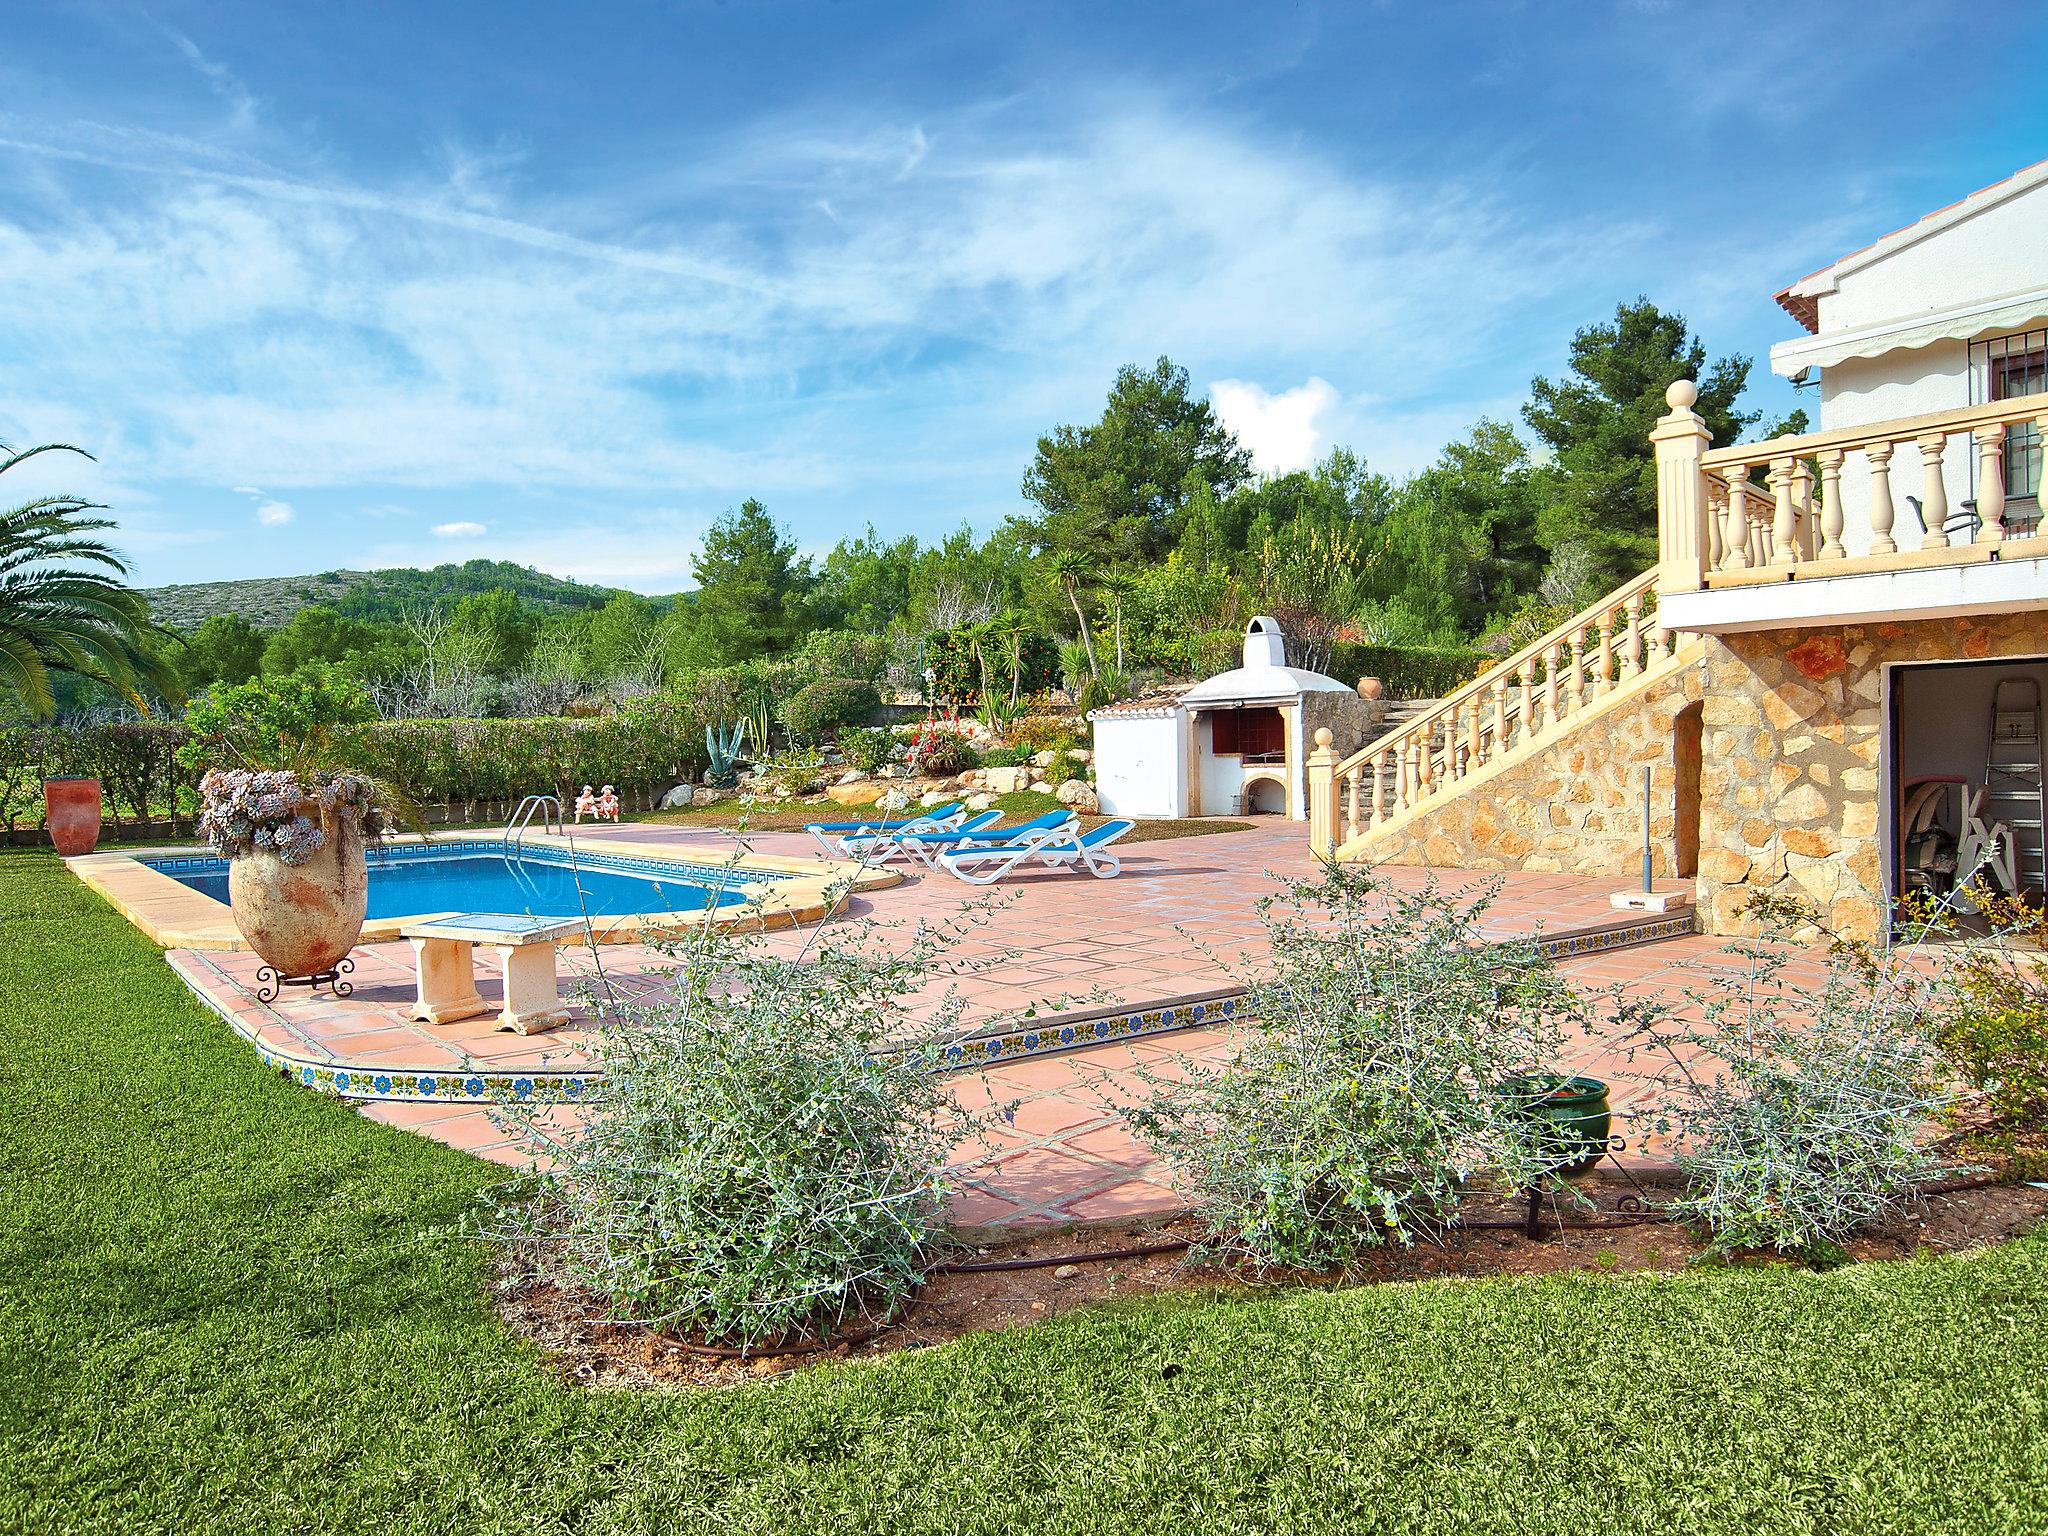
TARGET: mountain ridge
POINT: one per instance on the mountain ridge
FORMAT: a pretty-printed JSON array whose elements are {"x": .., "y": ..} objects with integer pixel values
[{"x": 270, "y": 601}]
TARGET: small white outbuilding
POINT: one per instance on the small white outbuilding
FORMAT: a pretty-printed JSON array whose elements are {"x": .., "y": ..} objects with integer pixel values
[{"x": 1234, "y": 745}]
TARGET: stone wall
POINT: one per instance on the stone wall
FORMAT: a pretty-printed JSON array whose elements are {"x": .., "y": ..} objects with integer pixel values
[
  {"x": 1794, "y": 737},
  {"x": 1575, "y": 807},
  {"x": 1791, "y": 735}
]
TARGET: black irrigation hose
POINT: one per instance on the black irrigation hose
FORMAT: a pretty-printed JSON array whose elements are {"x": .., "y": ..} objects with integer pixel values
[
  {"x": 1107, "y": 1255},
  {"x": 1179, "y": 1244}
]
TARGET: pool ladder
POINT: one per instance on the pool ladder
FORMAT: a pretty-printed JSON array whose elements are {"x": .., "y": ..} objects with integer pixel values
[{"x": 547, "y": 807}]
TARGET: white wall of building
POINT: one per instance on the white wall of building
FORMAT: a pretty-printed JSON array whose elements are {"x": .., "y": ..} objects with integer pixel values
[
  {"x": 1141, "y": 763},
  {"x": 1991, "y": 253}
]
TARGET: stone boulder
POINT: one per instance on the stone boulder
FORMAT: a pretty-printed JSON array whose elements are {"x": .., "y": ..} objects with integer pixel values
[
  {"x": 1080, "y": 795},
  {"x": 677, "y": 798},
  {"x": 1042, "y": 759},
  {"x": 981, "y": 802},
  {"x": 851, "y": 776},
  {"x": 895, "y": 800},
  {"x": 866, "y": 792},
  {"x": 932, "y": 797},
  {"x": 1005, "y": 781}
]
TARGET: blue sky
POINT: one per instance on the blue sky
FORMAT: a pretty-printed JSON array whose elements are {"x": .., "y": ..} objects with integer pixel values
[{"x": 380, "y": 283}]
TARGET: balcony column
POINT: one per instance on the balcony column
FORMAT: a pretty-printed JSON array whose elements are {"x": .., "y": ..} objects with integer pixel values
[
  {"x": 1881, "y": 514},
  {"x": 1784, "y": 518},
  {"x": 1831, "y": 504},
  {"x": 1735, "y": 535},
  {"x": 1933, "y": 492},
  {"x": 1991, "y": 484},
  {"x": 1684, "y": 540}
]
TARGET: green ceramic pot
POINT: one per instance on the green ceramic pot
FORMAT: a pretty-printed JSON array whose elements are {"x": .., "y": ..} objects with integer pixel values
[{"x": 1571, "y": 1113}]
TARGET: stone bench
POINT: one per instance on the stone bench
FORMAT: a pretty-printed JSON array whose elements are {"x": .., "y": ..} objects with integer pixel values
[{"x": 525, "y": 946}]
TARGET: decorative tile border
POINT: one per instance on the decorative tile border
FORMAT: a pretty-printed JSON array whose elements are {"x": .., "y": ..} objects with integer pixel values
[
  {"x": 402, "y": 1085},
  {"x": 1052, "y": 1036}
]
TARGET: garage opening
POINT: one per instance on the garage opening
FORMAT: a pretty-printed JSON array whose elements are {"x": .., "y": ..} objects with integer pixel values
[{"x": 1967, "y": 780}]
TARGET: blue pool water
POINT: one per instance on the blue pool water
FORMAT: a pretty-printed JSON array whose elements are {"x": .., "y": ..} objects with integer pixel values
[{"x": 477, "y": 877}]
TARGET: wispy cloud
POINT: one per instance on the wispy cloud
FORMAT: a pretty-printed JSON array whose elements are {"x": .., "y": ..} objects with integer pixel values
[
  {"x": 221, "y": 80},
  {"x": 463, "y": 530}
]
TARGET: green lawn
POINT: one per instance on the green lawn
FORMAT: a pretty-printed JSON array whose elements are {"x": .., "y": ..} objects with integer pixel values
[{"x": 228, "y": 1305}]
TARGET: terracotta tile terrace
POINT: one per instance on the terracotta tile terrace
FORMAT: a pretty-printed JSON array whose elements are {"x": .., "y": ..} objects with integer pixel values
[{"x": 1150, "y": 962}]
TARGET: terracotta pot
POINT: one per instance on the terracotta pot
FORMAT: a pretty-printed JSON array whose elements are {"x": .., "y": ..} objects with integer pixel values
[
  {"x": 1370, "y": 687},
  {"x": 71, "y": 810},
  {"x": 302, "y": 918}
]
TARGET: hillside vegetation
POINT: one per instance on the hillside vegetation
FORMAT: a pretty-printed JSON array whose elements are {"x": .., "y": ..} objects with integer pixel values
[{"x": 269, "y": 602}]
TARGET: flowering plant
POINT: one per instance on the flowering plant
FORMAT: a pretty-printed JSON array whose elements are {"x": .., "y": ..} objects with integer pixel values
[{"x": 278, "y": 810}]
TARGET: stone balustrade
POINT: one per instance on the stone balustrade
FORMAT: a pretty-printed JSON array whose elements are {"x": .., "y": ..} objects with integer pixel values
[
  {"x": 1541, "y": 689},
  {"x": 1779, "y": 509}
]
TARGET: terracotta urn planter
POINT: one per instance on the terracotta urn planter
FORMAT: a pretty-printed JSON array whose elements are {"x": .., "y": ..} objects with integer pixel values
[
  {"x": 1370, "y": 688},
  {"x": 71, "y": 810},
  {"x": 303, "y": 919}
]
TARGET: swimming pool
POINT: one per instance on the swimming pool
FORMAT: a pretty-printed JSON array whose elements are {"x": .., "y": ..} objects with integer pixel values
[{"x": 407, "y": 881}]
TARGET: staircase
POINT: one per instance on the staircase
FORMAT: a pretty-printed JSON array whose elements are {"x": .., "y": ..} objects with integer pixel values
[{"x": 1600, "y": 656}]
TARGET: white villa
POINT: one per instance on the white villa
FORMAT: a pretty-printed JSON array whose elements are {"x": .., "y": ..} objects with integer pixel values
[{"x": 1840, "y": 657}]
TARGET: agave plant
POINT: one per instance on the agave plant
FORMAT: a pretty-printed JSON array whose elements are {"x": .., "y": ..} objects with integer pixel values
[{"x": 63, "y": 607}]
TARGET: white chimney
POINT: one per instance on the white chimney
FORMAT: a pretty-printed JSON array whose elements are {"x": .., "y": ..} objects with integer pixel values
[{"x": 1264, "y": 645}]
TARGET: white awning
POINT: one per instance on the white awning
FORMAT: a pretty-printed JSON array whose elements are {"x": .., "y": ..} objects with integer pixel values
[{"x": 2014, "y": 312}]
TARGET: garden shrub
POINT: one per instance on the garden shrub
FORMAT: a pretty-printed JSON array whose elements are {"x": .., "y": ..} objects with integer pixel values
[
  {"x": 1095, "y": 694},
  {"x": 867, "y": 748},
  {"x": 824, "y": 706},
  {"x": 940, "y": 750},
  {"x": 1063, "y": 768},
  {"x": 1991, "y": 1021},
  {"x": 768, "y": 1154},
  {"x": 250, "y": 724},
  {"x": 1411, "y": 671},
  {"x": 1042, "y": 733},
  {"x": 798, "y": 771},
  {"x": 1365, "y": 1097},
  {"x": 1006, "y": 757},
  {"x": 1800, "y": 1110}
]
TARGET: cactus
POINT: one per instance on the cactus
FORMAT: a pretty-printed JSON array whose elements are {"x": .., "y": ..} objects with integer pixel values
[{"x": 723, "y": 743}]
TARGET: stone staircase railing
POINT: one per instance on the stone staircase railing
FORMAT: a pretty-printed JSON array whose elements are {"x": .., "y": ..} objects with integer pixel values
[{"x": 1615, "y": 646}]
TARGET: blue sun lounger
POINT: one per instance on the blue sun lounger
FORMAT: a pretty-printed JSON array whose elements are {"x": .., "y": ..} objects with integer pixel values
[
  {"x": 831, "y": 835},
  {"x": 1056, "y": 848},
  {"x": 929, "y": 845}
]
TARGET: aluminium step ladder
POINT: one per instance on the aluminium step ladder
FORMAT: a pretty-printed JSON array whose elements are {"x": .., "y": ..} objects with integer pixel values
[{"x": 2014, "y": 789}]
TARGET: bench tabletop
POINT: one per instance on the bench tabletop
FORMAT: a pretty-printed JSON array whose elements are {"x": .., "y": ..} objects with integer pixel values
[{"x": 494, "y": 928}]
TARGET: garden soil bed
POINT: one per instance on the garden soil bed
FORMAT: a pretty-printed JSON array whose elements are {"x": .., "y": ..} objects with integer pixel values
[{"x": 571, "y": 1328}]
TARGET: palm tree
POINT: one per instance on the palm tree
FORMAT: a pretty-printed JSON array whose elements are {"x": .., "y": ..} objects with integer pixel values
[
  {"x": 1072, "y": 568},
  {"x": 63, "y": 608}
]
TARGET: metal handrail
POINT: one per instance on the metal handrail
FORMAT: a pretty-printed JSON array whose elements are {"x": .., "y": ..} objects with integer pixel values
[{"x": 520, "y": 822}]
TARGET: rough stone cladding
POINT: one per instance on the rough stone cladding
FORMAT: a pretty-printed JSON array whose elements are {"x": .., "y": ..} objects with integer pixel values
[
  {"x": 1573, "y": 807},
  {"x": 1793, "y": 731},
  {"x": 1794, "y": 735}
]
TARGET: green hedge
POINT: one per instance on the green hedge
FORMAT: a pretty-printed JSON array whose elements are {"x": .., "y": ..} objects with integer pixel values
[
  {"x": 1410, "y": 671},
  {"x": 435, "y": 760},
  {"x": 140, "y": 779}
]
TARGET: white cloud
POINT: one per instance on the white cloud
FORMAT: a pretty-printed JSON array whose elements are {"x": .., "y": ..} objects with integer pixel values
[
  {"x": 459, "y": 530},
  {"x": 270, "y": 512},
  {"x": 1280, "y": 430}
]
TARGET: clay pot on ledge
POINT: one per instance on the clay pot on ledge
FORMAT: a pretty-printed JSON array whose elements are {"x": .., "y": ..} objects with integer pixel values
[
  {"x": 303, "y": 919},
  {"x": 1370, "y": 688},
  {"x": 71, "y": 811}
]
